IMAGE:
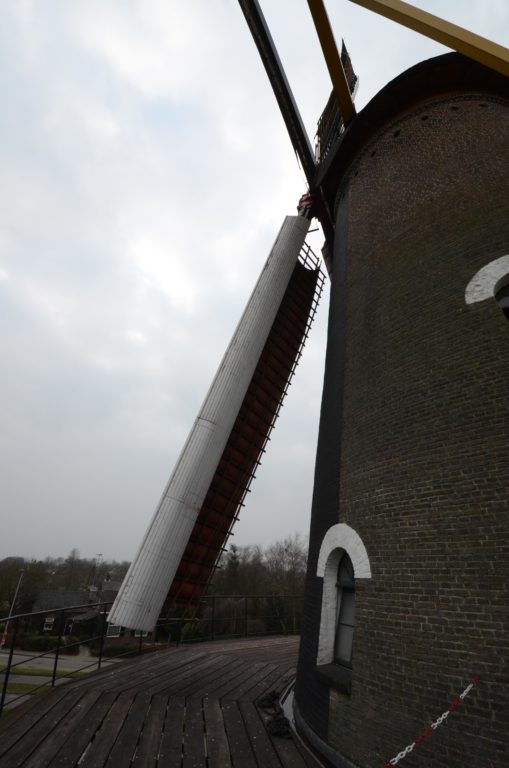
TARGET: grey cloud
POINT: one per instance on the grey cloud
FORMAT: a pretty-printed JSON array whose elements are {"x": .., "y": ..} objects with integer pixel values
[{"x": 145, "y": 173}]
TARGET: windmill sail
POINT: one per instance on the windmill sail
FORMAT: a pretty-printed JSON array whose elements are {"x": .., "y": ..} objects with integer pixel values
[{"x": 207, "y": 487}]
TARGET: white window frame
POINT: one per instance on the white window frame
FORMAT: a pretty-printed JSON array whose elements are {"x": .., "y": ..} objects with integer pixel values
[{"x": 339, "y": 538}]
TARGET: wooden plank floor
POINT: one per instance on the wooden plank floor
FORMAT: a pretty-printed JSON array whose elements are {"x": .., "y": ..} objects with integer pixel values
[{"x": 187, "y": 707}]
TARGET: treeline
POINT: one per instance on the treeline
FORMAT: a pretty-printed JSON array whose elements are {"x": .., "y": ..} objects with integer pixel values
[
  {"x": 71, "y": 573},
  {"x": 278, "y": 569},
  {"x": 256, "y": 591}
]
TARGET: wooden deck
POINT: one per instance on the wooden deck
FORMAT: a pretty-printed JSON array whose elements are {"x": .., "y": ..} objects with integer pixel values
[{"x": 189, "y": 707}]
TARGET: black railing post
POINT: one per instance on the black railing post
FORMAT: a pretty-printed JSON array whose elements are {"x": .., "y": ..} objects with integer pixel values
[
  {"x": 9, "y": 663},
  {"x": 140, "y": 643},
  {"x": 245, "y": 615},
  {"x": 102, "y": 633},
  {"x": 212, "y": 618},
  {"x": 57, "y": 650}
]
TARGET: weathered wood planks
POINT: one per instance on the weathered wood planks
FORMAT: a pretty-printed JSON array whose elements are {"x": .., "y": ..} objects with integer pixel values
[{"x": 186, "y": 707}]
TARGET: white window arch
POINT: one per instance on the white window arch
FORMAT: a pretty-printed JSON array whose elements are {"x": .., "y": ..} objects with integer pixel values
[
  {"x": 339, "y": 540},
  {"x": 491, "y": 282}
]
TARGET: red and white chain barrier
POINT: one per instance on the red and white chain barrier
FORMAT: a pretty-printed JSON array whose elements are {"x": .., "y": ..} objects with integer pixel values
[{"x": 424, "y": 735}]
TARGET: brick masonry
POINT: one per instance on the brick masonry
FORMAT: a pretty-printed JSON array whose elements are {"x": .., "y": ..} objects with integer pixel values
[{"x": 417, "y": 386}]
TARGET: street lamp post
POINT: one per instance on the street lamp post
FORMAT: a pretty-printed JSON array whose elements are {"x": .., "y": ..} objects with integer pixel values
[{"x": 4, "y": 636}]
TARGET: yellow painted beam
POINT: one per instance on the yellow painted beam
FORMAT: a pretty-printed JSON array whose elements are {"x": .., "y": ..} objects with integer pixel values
[
  {"x": 476, "y": 47},
  {"x": 333, "y": 60}
]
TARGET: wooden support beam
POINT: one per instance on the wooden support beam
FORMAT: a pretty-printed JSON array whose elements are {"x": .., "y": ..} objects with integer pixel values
[
  {"x": 469, "y": 44},
  {"x": 282, "y": 91},
  {"x": 333, "y": 60}
]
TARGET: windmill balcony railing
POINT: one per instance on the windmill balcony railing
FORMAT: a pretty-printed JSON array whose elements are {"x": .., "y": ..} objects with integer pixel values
[
  {"x": 329, "y": 129},
  {"x": 38, "y": 645}
]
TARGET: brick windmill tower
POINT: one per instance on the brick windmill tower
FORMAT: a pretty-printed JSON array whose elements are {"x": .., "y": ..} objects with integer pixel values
[
  {"x": 405, "y": 640},
  {"x": 405, "y": 645}
]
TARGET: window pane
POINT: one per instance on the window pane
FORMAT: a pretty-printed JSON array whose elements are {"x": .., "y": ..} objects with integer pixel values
[
  {"x": 502, "y": 296},
  {"x": 345, "y": 571},
  {"x": 344, "y": 642},
  {"x": 113, "y": 630},
  {"x": 347, "y": 607}
]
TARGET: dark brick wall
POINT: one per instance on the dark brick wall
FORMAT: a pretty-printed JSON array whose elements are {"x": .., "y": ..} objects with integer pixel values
[
  {"x": 311, "y": 694},
  {"x": 424, "y": 417}
]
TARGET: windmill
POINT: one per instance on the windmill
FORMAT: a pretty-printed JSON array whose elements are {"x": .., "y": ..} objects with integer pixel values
[
  {"x": 340, "y": 110},
  {"x": 412, "y": 194},
  {"x": 202, "y": 499}
]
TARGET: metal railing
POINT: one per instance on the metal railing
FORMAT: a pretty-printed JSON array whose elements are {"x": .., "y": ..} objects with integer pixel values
[
  {"x": 230, "y": 616},
  {"x": 216, "y": 617},
  {"x": 22, "y": 623}
]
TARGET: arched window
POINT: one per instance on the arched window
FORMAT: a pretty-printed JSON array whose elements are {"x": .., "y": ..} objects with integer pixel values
[
  {"x": 345, "y": 612},
  {"x": 342, "y": 562}
]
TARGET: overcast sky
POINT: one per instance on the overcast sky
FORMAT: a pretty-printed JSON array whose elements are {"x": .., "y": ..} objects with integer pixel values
[{"x": 144, "y": 174}]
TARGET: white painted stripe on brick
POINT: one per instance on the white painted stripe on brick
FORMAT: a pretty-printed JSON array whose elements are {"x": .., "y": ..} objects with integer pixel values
[
  {"x": 487, "y": 281},
  {"x": 341, "y": 536}
]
